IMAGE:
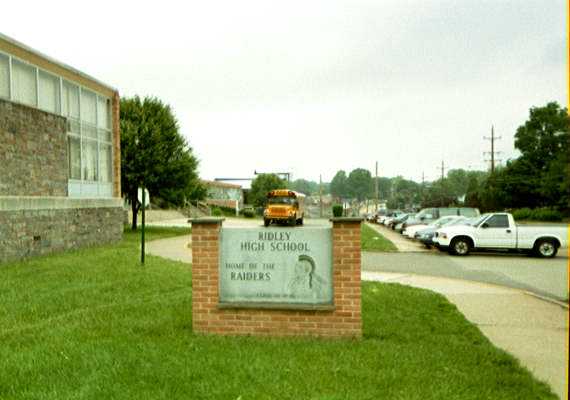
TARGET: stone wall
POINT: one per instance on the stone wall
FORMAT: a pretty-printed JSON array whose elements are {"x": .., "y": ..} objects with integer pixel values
[
  {"x": 33, "y": 152},
  {"x": 37, "y": 231},
  {"x": 344, "y": 320}
]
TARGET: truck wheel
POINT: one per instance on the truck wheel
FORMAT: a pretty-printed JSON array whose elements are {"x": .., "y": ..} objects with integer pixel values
[
  {"x": 545, "y": 248},
  {"x": 460, "y": 247},
  {"x": 266, "y": 222}
]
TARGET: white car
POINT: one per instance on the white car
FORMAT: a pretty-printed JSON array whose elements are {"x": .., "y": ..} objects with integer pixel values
[
  {"x": 410, "y": 231},
  {"x": 498, "y": 231}
]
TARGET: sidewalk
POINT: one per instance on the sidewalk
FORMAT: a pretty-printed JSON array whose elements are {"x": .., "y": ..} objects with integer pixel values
[
  {"x": 533, "y": 330},
  {"x": 402, "y": 244}
]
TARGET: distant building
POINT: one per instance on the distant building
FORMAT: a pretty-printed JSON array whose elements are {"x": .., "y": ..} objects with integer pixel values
[
  {"x": 60, "y": 175},
  {"x": 224, "y": 194}
]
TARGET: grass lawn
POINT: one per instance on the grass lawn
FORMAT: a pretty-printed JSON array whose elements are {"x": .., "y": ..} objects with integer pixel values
[
  {"x": 94, "y": 324},
  {"x": 371, "y": 240}
]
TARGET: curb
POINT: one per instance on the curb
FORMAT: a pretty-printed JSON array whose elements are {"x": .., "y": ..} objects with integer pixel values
[{"x": 548, "y": 299}]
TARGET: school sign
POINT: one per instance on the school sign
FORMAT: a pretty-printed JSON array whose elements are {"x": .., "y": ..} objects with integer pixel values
[{"x": 276, "y": 267}]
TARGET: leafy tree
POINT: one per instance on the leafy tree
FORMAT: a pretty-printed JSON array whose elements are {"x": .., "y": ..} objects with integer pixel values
[
  {"x": 358, "y": 183},
  {"x": 155, "y": 154},
  {"x": 304, "y": 186},
  {"x": 544, "y": 135},
  {"x": 338, "y": 185},
  {"x": 263, "y": 184}
]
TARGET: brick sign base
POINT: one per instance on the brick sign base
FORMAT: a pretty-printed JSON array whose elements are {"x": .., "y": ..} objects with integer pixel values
[{"x": 344, "y": 320}]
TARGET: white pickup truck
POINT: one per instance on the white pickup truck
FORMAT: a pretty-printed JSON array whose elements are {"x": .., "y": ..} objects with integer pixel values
[{"x": 498, "y": 231}]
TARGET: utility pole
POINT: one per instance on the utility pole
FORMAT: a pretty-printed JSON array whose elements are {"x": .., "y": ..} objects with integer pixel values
[
  {"x": 442, "y": 170},
  {"x": 492, "y": 152},
  {"x": 321, "y": 194},
  {"x": 376, "y": 190}
]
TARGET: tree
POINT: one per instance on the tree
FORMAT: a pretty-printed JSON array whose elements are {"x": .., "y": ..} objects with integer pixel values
[
  {"x": 263, "y": 184},
  {"x": 338, "y": 185},
  {"x": 544, "y": 135},
  {"x": 304, "y": 186},
  {"x": 155, "y": 154},
  {"x": 359, "y": 183}
]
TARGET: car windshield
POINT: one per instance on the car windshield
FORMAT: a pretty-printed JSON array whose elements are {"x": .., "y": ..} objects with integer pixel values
[
  {"x": 442, "y": 221},
  {"x": 281, "y": 200},
  {"x": 458, "y": 221},
  {"x": 479, "y": 220}
]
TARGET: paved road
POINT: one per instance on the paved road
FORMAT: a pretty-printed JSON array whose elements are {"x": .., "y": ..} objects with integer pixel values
[{"x": 547, "y": 277}]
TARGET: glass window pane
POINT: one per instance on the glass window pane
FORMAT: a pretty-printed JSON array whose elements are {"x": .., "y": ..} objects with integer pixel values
[
  {"x": 103, "y": 113},
  {"x": 24, "y": 83},
  {"x": 88, "y": 107},
  {"x": 74, "y": 157},
  {"x": 88, "y": 131},
  {"x": 70, "y": 100},
  {"x": 49, "y": 92},
  {"x": 74, "y": 127},
  {"x": 4, "y": 76},
  {"x": 104, "y": 135},
  {"x": 89, "y": 160},
  {"x": 105, "y": 163}
]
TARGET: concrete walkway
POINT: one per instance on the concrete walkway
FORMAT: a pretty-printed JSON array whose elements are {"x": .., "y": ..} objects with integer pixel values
[
  {"x": 533, "y": 330},
  {"x": 402, "y": 243}
]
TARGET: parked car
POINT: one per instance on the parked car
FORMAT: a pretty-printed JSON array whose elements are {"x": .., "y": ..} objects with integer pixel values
[
  {"x": 498, "y": 231},
  {"x": 398, "y": 221},
  {"x": 428, "y": 215},
  {"x": 410, "y": 231},
  {"x": 426, "y": 235}
]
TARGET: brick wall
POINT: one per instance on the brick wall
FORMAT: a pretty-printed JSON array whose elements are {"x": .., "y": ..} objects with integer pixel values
[
  {"x": 343, "y": 321},
  {"x": 33, "y": 152},
  {"x": 33, "y": 232}
]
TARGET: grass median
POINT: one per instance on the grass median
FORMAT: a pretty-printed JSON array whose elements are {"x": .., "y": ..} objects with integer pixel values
[
  {"x": 94, "y": 324},
  {"x": 372, "y": 240}
]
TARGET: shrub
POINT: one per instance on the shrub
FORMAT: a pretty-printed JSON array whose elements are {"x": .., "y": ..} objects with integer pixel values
[
  {"x": 337, "y": 210},
  {"x": 538, "y": 214},
  {"x": 217, "y": 212},
  {"x": 522, "y": 213},
  {"x": 248, "y": 213},
  {"x": 546, "y": 214}
]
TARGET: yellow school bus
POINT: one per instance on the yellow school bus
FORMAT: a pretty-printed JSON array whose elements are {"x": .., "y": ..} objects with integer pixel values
[{"x": 284, "y": 206}]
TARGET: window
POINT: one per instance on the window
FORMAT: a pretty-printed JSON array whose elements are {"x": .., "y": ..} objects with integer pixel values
[
  {"x": 90, "y": 160},
  {"x": 103, "y": 113},
  {"x": 24, "y": 83},
  {"x": 49, "y": 92},
  {"x": 70, "y": 101},
  {"x": 88, "y": 107},
  {"x": 498, "y": 221},
  {"x": 74, "y": 156},
  {"x": 106, "y": 163},
  {"x": 4, "y": 76}
]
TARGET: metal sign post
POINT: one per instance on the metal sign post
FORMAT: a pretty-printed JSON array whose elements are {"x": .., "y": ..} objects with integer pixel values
[{"x": 142, "y": 223}]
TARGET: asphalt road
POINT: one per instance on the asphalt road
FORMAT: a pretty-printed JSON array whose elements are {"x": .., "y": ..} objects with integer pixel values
[{"x": 546, "y": 277}]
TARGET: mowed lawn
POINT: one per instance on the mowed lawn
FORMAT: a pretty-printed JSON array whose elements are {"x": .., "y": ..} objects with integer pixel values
[
  {"x": 371, "y": 240},
  {"x": 94, "y": 324}
]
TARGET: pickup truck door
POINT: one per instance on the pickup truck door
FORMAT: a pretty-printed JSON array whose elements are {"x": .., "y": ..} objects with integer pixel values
[{"x": 496, "y": 232}]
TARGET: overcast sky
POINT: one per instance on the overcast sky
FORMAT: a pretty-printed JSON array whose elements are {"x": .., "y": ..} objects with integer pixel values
[{"x": 316, "y": 86}]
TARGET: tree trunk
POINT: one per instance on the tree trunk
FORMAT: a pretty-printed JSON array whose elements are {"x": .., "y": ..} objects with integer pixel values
[{"x": 135, "y": 209}]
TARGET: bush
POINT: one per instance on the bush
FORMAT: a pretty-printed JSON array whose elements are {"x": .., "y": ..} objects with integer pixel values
[
  {"x": 217, "y": 212},
  {"x": 248, "y": 213},
  {"x": 522, "y": 213},
  {"x": 538, "y": 214},
  {"x": 337, "y": 210},
  {"x": 546, "y": 214}
]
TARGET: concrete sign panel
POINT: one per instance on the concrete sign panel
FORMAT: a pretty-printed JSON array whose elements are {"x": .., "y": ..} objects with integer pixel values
[{"x": 276, "y": 266}]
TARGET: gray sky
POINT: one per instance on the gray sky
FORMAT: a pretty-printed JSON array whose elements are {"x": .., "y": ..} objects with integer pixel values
[{"x": 316, "y": 86}]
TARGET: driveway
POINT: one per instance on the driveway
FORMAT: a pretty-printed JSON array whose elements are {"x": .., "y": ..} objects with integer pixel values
[{"x": 546, "y": 277}]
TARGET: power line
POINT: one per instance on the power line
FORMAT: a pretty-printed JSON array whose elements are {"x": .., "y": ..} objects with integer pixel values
[{"x": 492, "y": 152}]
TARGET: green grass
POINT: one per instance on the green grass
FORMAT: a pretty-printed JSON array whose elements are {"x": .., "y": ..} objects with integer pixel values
[
  {"x": 371, "y": 240},
  {"x": 94, "y": 324}
]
